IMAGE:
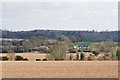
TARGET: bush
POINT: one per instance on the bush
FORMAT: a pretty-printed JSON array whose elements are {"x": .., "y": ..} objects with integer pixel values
[
  {"x": 19, "y": 58},
  {"x": 91, "y": 57},
  {"x": 118, "y": 54},
  {"x": 101, "y": 58},
  {"x": 95, "y": 53},
  {"x": 82, "y": 56},
  {"x": 80, "y": 50},
  {"x": 71, "y": 57},
  {"x": 5, "y": 58},
  {"x": 0, "y": 58},
  {"x": 25, "y": 59},
  {"x": 107, "y": 58},
  {"x": 44, "y": 59},
  {"x": 77, "y": 56},
  {"x": 38, "y": 59},
  {"x": 86, "y": 50},
  {"x": 72, "y": 51},
  {"x": 59, "y": 59},
  {"x": 74, "y": 60}
]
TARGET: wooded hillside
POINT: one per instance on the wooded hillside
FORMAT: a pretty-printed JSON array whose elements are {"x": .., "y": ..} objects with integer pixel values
[{"x": 75, "y": 36}]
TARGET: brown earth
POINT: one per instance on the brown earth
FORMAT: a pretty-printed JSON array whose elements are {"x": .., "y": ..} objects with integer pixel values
[
  {"x": 33, "y": 56},
  {"x": 60, "y": 69}
]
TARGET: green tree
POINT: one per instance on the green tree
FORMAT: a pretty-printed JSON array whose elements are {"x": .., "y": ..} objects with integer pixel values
[
  {"x": 5, "y": 58},
  {"x": 18, "y": 58},
  {"x": 118, "y": 54},
  {"x": 95, "y": 53},
  {"x": 77, "y": 56},
  {"x": 82, "y": 56},
  {"x": 71, "y": 57}
]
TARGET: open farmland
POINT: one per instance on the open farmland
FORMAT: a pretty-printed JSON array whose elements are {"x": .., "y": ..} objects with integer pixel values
[
  {"x": 89, "y": 43},
  {"x": 84, "y": 43},
  {"x": 60, "y": 69},
  {"x": 34, "y": 56}
]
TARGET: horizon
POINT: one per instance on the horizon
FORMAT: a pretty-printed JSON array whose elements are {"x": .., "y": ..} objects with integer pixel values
[{"x": 61, "y": 30}]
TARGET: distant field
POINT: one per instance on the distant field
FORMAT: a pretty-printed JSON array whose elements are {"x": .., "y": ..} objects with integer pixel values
[
  {"x": 60, "y": 69},
  {"x": 89, "y": 43},
  {"x": 84, "y": 43}
]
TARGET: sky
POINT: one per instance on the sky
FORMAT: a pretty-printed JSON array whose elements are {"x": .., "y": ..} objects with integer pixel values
[{"x": 100, "y": 16}]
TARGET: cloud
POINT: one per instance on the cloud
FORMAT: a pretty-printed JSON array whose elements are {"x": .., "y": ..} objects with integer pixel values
[{"x": 60, "y": 15}]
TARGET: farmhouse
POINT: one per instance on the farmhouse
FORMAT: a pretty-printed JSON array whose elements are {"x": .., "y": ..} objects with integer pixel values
[
  {"x": 41, "y": 49},
  {"x": 87, "y": 47},
  {"x": 83, "y": 47}
]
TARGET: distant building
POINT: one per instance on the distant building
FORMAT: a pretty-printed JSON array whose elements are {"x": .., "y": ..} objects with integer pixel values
[
  {"x": 41, "y": 49},
  {"x": 84, "y": 47},
  {"x": 74, "y": 47},
  {"x": 81, "y": 47}
]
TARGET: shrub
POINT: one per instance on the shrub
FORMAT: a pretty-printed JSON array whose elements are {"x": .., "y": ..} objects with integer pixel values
[
  {"x": 80, "y": 50},
  {"x": 59, "y": 59},
  {"x": 74, "y": 59},
  {"x": 72, "y": 51},
  {"x": 95, "y": 53},
  {"x": 44, "y": 59},
  {"x": 77, "y": 56},
  {"x": 25, "y": 59},
  {"x": 0, "y": 58},
  {"x": 86, "y": 50},
  {"x": 91, "y": 57},
  {"x": 101, "y": 58},
  {"x": 38, "y": 59},
  {"x": 107, "y": 58},
  {"x": 5, "y": 58},
  {"x": 19, "y": 58},
  {"x": 82, "y": 56},
  {"x": 118, "y": 54},
  {"x": 71, "y": 57}
]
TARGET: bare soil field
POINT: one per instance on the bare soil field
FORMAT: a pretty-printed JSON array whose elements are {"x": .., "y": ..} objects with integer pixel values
[
  {"x": 60, "y": 69},
  {"x": 33, "y": 56}
]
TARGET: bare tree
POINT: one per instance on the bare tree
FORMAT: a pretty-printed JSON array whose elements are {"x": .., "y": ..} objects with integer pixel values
[
  {"x": 108, "y": 48},
  {"x": 59, "y": 50},
  {"x": 11, "y": 55}
]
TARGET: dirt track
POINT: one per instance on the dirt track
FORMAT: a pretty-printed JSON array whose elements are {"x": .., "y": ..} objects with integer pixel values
[{"x": 63, "y": 69}]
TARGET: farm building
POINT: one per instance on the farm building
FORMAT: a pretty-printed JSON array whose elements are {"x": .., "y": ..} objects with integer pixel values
[{"x": 82, "y": 47}]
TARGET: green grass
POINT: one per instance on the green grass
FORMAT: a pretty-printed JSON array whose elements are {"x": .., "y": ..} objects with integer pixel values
[
  {"x": 89, "y": 43},
  {"x": 84, "y": 43},
  {"x": 118, "y": 43}
]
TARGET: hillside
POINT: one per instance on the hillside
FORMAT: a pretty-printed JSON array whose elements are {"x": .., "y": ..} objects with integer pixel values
[{"x": 75, "y": 36}]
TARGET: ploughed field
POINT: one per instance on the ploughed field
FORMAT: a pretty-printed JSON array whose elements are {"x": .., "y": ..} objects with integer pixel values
[{"x": 60, "y": 69}]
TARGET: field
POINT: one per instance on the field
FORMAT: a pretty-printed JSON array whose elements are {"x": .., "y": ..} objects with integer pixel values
[
  {"x": 89, "y": 43},
  {"x": 34, "y": 56},
  {"x": 60, "y": 69},
  {"x": 84, "y": 43}
]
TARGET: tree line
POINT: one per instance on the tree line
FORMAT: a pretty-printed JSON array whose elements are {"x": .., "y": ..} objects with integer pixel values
[{"x": 74, "y": 36}]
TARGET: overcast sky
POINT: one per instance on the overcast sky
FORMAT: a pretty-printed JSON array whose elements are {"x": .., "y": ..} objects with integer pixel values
[{"x": 60, "y": 15}]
